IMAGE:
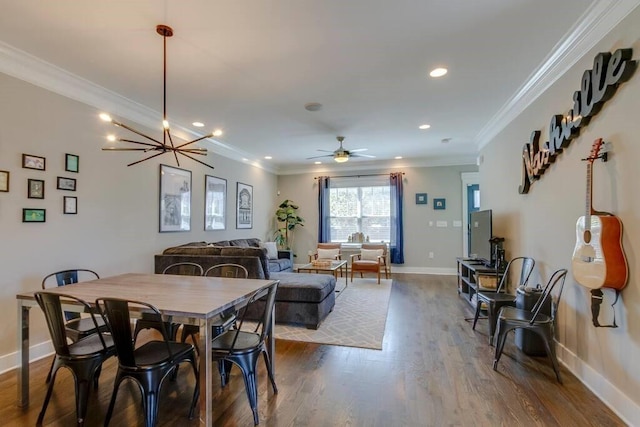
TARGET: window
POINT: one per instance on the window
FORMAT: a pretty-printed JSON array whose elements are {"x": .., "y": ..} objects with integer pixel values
[{"x": 361, "y": 206}]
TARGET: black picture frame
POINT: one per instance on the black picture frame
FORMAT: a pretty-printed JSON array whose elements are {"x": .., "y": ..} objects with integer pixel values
[
  {"x": 66, "y": 184},
  {"x": 4, "y": 181},
  {"x": 421, "y": 198},
  {"x": 34, "y": 215},
  {"x": 69, "y": 205},
  {"x": 439, "y": 204},
  {"x": 215, "y": 203},
  {"x": 35, "y": 189},
  {"x": 29, "y": 161},
  {"x": 71, "y": 163},
  {"x": 175, "y": 199},
  {"x": 244, "y": 206}
]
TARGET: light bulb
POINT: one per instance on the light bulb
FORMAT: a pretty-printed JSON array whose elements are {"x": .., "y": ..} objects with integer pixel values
[
  {"x": 217, "y": 132},
  {"x": 111, "y": 138},
  {"x": 165, "y": 124},
  {"x": 106, "y": 117}
]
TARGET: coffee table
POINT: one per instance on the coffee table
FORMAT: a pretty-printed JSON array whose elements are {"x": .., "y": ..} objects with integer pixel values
[{"x": 333, "y": 268}]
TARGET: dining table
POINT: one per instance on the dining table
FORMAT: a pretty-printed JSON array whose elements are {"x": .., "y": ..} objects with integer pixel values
[{"x": 194, "y": 300}]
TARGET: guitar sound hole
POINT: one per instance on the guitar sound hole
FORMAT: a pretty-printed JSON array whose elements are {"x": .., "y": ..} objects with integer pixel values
[{"x": 587, "y": 236}]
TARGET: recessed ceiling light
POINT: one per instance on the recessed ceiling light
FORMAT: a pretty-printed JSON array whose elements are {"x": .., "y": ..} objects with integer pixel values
[
  {"x": 244, "y": 159},
  {"x": 424, "y": 127},
  {"x": 398, "y": 157},
  {"x": 313, "y": 106},
  {"x": 198, "y": 124},
  {"x": 438, "y": 72},
  {"x": 445, "y": 140},
  {"x": 217, "y": 132},
  {"x": 317, "y": 163},
  {"x": 268, "y": 157}
]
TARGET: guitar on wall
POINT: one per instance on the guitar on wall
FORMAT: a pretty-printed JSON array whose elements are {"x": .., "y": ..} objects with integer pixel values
[{"x": 598, "y": 258}]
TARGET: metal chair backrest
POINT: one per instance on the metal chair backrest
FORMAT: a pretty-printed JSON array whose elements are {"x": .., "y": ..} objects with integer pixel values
[
  {"x": 116, "y": 313},
  {"x": 263, "y": 326},
  {"x": 235, "y": 271},
  {"x": 68, "y": 277},
  {"x": 184, "y": 269},
  {"x": 557, "y": 277},
  {"x": 526, "y": 268},
  {"x": 52, "y": 308}
]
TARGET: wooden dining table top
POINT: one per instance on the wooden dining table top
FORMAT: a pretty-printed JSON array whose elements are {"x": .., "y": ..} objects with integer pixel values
[{"x": 190, "y": 296}]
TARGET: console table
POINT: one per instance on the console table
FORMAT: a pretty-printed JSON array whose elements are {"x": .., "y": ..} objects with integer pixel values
[{"x": 474, "y": 276}]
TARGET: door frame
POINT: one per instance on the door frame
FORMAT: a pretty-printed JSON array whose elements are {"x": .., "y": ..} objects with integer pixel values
[{"x": 467, "y": 178}]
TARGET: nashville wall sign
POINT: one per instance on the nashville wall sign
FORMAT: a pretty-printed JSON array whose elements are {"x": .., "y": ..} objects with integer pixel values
[{"x": 598, "y": 86}]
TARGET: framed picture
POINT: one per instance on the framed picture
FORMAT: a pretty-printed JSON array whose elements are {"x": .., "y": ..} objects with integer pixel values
[
  {"x": 439, "y": 204},
  {"x": 35, "y": 189},
  {"x": 215, "y": 203},
  {"x": 175, "y": 199},
  {"x": 4, "y": 181},
  {"x": 33, "y": 162},
  {"x": 71, "y": 163},
  {"x": 70, "y": 205},
  {"x": 421, "y": 198},
  {"x": 244, "y": 206},
  {"x": 67, "y": 184},
  {"x": 34, "y": 215}
]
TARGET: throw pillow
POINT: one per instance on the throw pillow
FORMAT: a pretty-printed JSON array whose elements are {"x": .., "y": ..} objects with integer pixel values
[
  {"x": 328, "y": 253},
  {"x": 370, "y": 254},
  {"x": 272, "y": 250}
]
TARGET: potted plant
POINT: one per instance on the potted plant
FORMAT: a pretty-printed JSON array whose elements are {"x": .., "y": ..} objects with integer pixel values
[{"x": 287, "y": 218}]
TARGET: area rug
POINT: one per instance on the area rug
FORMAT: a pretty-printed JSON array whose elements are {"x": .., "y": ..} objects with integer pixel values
[{"x": 357, "y": 320}]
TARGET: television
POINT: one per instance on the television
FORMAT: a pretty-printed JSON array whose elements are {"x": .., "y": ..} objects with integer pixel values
[{"x": 480, "y": 233}]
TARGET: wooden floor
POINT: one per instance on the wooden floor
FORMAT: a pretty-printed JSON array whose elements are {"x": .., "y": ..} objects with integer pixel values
[{"x": 434, "y": 370}]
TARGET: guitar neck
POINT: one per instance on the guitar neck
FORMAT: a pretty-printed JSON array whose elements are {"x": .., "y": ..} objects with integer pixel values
[{"x": 588, "y": 203}]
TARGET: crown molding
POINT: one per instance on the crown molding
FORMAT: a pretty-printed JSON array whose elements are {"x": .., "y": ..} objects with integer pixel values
[{"x": 597, "y": 21}]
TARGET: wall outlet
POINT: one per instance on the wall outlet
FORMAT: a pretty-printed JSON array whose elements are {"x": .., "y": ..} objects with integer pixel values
[
  {"x": 430, "y": 254},
  {"x": 441, "y": 223},
  {"x": 430, "y": 223},
  {"x": 457, "y": 223}
]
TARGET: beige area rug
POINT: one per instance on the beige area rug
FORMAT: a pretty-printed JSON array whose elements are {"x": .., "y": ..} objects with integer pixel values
[{"x": 357, "y": 320}]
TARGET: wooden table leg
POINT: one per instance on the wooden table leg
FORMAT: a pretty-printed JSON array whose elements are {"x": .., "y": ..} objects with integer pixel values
[{"x": 23, "y": 355}]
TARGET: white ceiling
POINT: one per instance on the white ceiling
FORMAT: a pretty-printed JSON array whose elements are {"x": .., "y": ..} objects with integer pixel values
[{"x": 250, "y": 66}]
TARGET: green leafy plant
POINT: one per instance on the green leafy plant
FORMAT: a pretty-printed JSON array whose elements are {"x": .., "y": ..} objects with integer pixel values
[{"x": 287, "y": 218}]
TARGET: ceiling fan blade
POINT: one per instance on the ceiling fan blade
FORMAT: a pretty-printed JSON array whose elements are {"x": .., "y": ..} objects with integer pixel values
[
  {"x": 317, "y": 157},
  {"x": 358, "y": 149},
  {"x": 363, "y": 155},
  {"x": 325, "y": 151}
]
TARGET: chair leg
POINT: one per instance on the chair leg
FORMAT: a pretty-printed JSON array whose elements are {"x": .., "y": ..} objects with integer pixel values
[
  {"x": 491, "y": 315},
  {"x": 53, "y": 361},
  {"x": 551, "y": 351},
  {"x": 252, "y": 390},
  {"x": 196, "y": 390},
  {"x": 48, "y": 396},
  {"x": 269, "y": 371},
  {"x": 151, "y": 405},
  {"x": 83, "y": 386},
  {"x": 112, "y": 403},
  {"x": 477, "y": 315},
  {"x": 501, "y": 339}
]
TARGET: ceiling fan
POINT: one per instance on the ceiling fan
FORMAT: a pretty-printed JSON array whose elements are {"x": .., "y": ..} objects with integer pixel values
[{"x": 341, "y": 155}]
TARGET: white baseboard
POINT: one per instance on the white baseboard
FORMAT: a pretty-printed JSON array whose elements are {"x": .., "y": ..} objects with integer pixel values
[
  {"x": 9, "y": 361},
  {"x": 610, "y": 395}
]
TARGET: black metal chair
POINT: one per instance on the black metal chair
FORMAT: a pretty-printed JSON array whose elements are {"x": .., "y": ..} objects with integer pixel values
[
  {"x": 77, "y": 327},
  {"x": 181, "y": 269},
  {"x": 243, "y": 348},
  {"x": 83, "y": 357},
  {"x": 498, "y": 299},
  {"x": 149, "y": 364},
  {"x": 227, "y": 318},
  {"x": 511, "y": 318}
]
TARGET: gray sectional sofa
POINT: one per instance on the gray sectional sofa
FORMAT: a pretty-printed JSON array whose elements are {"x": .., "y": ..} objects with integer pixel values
[{"x": 301, "y": 298}]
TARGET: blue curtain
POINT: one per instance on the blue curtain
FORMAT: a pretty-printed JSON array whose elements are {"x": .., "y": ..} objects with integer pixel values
[
  {"x": 396, "y": 245},
  {"x": 324, "y": 228}
]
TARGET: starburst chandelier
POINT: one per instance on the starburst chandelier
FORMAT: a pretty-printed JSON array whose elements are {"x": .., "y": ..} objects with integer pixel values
[{"x": 153, "y": 145}]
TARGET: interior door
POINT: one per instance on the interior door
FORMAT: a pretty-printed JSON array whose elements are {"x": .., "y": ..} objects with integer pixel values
[{"x": 473, "y": 204}]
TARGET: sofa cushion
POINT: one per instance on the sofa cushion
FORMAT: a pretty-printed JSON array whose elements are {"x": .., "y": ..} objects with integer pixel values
[
  {"x": 245, "y": 243},
  {"x": 300, "y": 287},
  {"x": 261, "y": 253},
  {"x": 328, "y": 253},
  {"x": 272, "y": 250},
  {"x": 220, "y": 243},
  {"x": 192, "y": 250},
  {"x": 280, "y": 264},
  {"x": 370, "y": 254}
]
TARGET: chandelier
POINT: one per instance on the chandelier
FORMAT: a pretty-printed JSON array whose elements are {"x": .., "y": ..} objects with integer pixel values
[{"x": 153, "y": 145}]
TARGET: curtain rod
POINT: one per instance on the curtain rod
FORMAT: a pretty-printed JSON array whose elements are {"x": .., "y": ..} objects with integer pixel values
[{"x": 358, "y": 176}]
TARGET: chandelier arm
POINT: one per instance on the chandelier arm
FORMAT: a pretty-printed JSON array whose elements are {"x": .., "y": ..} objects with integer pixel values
[
  {"x": 141, "y": 143},
  {"x": 124, "y": 149},
  {"x": 196, "y": 160},
  {"x": 195, "y": 140},
  {"x": 168, "y": 132},
  {"x": 199, "y": 151},
  {"x": 130, "y": 129},
  {"x": 146, "y": 158}
]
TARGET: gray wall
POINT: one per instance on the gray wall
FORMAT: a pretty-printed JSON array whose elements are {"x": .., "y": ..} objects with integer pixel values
[
  {"x": 542, "y": 223},
  {"x": 420, "y": 237},
  {"x": 116, "y": 229}
]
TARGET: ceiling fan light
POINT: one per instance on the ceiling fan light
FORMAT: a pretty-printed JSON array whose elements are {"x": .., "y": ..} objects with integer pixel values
[{"x": 341, "y": 157}]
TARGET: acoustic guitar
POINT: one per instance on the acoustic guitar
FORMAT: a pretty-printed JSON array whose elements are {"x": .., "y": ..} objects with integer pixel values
[{"x": 598, "y": 258}]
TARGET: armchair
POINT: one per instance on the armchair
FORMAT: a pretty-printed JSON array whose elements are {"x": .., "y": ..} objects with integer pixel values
[
  {"x": 372, "y": 258},
  {"x": 326, "y": 251}
]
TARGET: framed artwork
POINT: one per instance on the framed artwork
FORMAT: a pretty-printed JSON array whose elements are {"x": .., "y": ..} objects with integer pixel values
[
  {"x": 35, "y": 189},
  {"x": 71, "y": 163},
  {"x": 34, "y": 215},
  {"x": 439, "y": 204},
  {"x": 421, "y": 198},
  {"x": 175, "y": 199},
  {"x": 70, "y": 205},
  {"x": 30, "y": 161},
  {"x": 244, "y": 206},
  {"x": 67, "y": 184},
  {"x": 215, "y": 203},
  {"x": 4, "y": 181}
]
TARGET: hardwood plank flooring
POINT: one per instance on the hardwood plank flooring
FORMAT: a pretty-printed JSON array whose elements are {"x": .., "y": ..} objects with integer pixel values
[{"x": 433, "y": 371}]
